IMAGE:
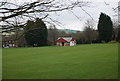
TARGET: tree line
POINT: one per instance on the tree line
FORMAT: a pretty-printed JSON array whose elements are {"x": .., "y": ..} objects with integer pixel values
[
  {"x": 107, "y": 30},
  {"x": 40, "y": 36},
  {"x": 37, "y": 34}
]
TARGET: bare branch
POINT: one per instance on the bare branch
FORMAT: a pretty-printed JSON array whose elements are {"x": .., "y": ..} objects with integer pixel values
[
  {"x": 87, "y": 13},
  {"x": 20, "y": 13}
]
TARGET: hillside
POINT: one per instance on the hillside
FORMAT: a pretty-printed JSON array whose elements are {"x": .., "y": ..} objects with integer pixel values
[{"x": 68, "y": 31}]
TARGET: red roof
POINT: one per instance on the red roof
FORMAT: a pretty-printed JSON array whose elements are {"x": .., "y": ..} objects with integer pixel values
[
  {"x": 65, "y": 39},
  {"x": 61, "y": 40},
  {"x": 73, "y": 39}
]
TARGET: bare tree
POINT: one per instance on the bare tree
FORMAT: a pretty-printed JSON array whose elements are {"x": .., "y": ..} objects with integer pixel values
[
  {"x": 17, "y": 14},
  {"x": 116, "y": 24},
  {"x": 13, "y": 16},
  {"x": 52, "y": 34},
  {"x": 89, "y": 32},
  {"x": 115, "y": 30}
]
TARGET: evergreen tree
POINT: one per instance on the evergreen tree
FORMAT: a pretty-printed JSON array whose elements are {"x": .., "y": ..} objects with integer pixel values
[
  {"x": 28, "y": 34},
  {"x": 36, "y": 33},
  {"x": 105, "y": 28}
]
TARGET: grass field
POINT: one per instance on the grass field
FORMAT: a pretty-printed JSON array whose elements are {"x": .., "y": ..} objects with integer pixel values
[{"x": 95, "y": 61}]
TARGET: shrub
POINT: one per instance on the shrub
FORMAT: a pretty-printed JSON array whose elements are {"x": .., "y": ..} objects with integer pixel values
[{"x": 113, "y": 41}]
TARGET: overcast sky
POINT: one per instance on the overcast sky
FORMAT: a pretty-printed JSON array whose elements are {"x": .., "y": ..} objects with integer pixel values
[{"x": 70, "y": 21}]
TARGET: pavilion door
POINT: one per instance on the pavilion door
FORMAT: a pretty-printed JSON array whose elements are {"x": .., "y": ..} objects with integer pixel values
[{"x": 62, "y": 43}]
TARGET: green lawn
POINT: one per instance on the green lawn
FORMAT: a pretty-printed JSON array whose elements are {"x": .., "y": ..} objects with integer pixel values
[{"x": 95, "y": 61}]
